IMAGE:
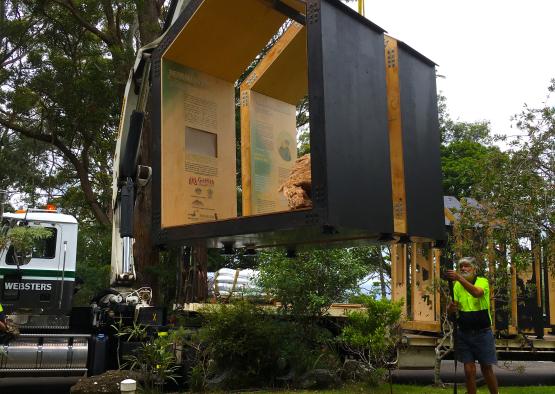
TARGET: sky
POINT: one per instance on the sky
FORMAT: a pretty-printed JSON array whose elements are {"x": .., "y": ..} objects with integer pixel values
[{"x": 495, "y": 55}]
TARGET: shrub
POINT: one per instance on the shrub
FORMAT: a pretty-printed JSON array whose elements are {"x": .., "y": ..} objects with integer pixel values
[
  {"x": 309, "y": 283},
  {"x": 254, "y": 346},
  {"x": 156, "y": 361},
  {"x": 371, "y": 335}
]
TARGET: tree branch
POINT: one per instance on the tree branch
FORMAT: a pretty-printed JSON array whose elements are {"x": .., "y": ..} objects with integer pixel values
[
  {"x": 70, "y": 6},
  {"x": 79, "y": 167},
  {"x": 110, "y": 21}
]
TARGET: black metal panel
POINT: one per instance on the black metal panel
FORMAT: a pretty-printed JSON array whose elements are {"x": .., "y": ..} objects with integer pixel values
[
  {"x": 351, "y": 138},
  {"x": 421, "y": 142}
]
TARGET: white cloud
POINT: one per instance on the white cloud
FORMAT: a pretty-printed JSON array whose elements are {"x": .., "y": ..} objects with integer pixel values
[{"x": 496, "y": 55}]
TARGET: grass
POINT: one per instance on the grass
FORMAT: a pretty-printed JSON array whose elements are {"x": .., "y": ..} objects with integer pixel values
[{"x": 414, "y": 389}]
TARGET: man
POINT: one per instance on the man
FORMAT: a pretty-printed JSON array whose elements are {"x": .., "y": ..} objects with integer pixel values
[
  {"x": 3, "y": 326},
  {"x": 474, "y": 340}
]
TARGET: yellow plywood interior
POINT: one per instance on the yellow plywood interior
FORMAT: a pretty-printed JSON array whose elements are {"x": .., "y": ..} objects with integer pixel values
[
  {"x": 269, "y": 95},
  {"x": 282, "y": 74},
  {"x": 223, "y": 37},
  {"x": 395, "y": 136},
  {"x": 197, "y": 147}
]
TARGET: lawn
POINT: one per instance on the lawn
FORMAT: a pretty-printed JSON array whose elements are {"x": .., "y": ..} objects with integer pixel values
[{"x": 413, "y": 389}]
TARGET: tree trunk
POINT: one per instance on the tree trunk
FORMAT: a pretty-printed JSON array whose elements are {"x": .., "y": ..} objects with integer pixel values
[
  {"x": 195, "y": 287},
  {"x": 382, "y": 275},
  {"x": 148, "y": 14},
  {"x": 145, "y": 253}
]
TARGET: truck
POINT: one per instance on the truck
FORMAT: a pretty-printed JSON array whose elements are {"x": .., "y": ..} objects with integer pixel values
[{"x": 55, "y": 338}]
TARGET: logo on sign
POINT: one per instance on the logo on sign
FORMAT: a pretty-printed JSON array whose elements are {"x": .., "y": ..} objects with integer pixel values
[{"x": 28, "y": 286}]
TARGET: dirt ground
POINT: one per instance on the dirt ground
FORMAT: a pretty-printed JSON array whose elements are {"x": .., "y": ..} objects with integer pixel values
[{"x": 106, "y": 383}]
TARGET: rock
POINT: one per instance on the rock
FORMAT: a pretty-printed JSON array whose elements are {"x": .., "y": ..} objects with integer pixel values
[
  {"x": 319, "y": 379},
  {"x": 219, "y": 381},
  {"x": 298, "y": 186},
  {"x": 106, "y": 383},
  {"x": 356, "y": 371}
]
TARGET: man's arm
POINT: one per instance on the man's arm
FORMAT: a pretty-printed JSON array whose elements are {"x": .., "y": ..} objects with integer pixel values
[
  {"x": 475, "y": 291},
  {"x": 3, "y": 326}
]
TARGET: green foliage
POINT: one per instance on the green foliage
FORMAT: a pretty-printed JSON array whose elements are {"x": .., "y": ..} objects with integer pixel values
[
  {"x": 243, "y": 338},
  {"x": 520, "y": 186},
  {"x": 466, "y": 151},
  {"x": 378, "y": 260},
  {"x": 93, "y": 260},
  {"x": 303, "y": 128},
  {"x": 515, "y": 191},
  {"x": 464, "y": 165},
  {"x": 64, "y": 69},
  {"x": 164, "y": 273},
  {"x": 156, "y": 362},
  {"x": 372, "y": 334},
  {"x": 256, "y": 347},
  {"x": 309, "y": 283},
  {"x": 136, "y": 332}
]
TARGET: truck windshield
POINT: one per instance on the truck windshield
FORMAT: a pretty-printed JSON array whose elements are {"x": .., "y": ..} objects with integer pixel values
[{"x": 43, "y": 248}]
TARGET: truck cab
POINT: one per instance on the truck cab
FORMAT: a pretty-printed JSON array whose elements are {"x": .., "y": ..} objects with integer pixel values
[{"x": 37, "y": 293}]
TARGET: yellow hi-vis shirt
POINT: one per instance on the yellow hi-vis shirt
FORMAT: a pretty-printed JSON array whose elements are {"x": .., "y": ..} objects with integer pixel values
[{"x": 474, "y": 313}]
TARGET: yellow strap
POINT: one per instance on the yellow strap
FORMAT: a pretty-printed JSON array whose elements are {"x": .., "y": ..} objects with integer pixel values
[
  {"x": 361, "y": 7},
  {"x": 1, "y": 308},
  {"x": 234, "y": 283}
]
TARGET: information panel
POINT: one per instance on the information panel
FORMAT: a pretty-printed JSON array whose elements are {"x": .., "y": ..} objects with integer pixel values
[
  {"x": 273, "y": 151},
  {"x": 198, "y": 147}
]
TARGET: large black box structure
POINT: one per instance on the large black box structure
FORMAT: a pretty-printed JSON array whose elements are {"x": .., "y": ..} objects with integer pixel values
[{"x": 349, "y": 137}]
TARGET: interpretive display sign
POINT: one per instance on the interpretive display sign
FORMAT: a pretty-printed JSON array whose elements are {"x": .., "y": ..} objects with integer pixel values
[
  {"x": 198, "y": 147},
  {"x": 273, "y": 151}
]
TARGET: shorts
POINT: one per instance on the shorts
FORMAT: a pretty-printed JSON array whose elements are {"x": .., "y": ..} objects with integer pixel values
[{"x": 475, "y": 345}]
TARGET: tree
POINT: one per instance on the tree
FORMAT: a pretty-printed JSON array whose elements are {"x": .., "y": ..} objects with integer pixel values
[
  {"x": 520, "y": 184},
  {"x": 463, "y": 164},
  {"x": 465, "y": 151},
  {"x": 516, "y": 192},
  {"x": 310, "y": 282},
  {"x": 65, "y": 66},
  {"x": 378, "y": 260}
]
